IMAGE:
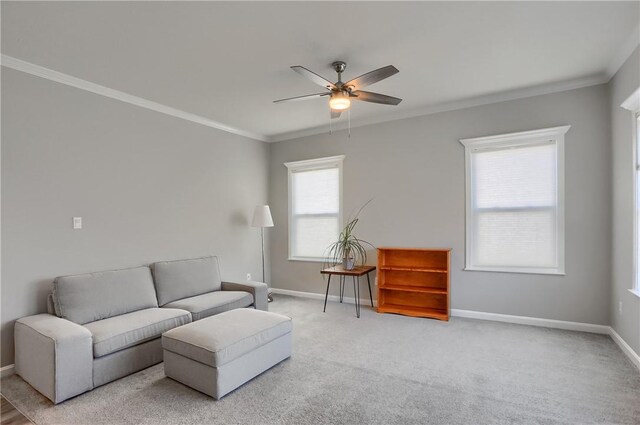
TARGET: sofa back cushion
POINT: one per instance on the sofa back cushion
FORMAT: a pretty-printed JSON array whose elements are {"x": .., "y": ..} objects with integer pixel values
[
  {"x": 180, "y": 279},
  {"x": 89, "y": 297}
]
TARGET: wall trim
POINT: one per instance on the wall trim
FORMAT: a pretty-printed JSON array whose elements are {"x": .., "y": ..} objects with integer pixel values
[
  {"x": 316, "y": 296},
  {"x": 505, "y": 318},
  {"x": 7, "y": 371},
  {"x": 532, "y": 321},
  {"x": 59, "y": 77},
  {"x": 626, "y": 348}
]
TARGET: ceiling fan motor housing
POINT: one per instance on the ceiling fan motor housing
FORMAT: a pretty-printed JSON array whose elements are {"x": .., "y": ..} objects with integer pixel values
[{"x": 339, "y": 66}]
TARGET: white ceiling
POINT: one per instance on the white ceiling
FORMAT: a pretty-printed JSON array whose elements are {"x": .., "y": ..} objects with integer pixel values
[{"x": 228, "y": 61}]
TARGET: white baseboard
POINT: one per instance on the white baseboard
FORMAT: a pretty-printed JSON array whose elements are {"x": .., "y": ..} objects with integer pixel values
[
  {"x": 495, "y": 317},
  {"x": 316, "y": 296},
  {"x": 7, "y": 371},
  {"x": 533, "y": 321},
  {"x": 626, "y": 349}
]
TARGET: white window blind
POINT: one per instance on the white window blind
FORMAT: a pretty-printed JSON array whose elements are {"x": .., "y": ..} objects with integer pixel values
[
  {"x": 315, "y": 188},
  {"x": 514, "y": 202}
]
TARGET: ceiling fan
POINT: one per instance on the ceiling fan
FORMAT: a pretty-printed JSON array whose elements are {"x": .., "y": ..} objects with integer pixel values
[{"x": 340, "y": 93}]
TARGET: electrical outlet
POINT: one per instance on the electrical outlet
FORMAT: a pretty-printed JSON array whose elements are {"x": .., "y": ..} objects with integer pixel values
[
  {"x": 248, "y": 276},
  {"x": 77, "y": 223},
  {"x": 620, "y": 306}
]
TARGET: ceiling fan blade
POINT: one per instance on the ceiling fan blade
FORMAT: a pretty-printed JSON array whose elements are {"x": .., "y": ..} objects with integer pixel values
[
  {"x": 305, "y": 97},
  {"x": 335, "y": 114},
  {"x": 372, "y": 77},
  {"x": 313, "y": 77},
  {"x": 368, "y": 96}
]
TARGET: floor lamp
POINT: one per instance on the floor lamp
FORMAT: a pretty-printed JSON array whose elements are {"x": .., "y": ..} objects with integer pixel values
[{"x": 262, "y": 218}]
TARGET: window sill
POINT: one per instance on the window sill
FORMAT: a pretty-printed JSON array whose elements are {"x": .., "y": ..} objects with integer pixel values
[
  {"x": 516, "y": 270},
  {"x": 635, "y": 292},
  {"x": 308, "y": 259}
]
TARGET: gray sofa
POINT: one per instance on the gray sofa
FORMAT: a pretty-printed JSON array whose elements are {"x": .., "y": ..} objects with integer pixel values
[{"x": 106, "y": 325}]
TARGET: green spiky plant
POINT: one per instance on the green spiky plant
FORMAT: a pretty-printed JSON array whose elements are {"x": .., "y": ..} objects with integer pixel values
[{"x": 348, "y": 250}]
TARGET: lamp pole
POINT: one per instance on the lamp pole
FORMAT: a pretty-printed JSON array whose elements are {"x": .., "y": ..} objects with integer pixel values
[
  {"x": 262, "y": 218},
  {"x": 269, "y": 297}
]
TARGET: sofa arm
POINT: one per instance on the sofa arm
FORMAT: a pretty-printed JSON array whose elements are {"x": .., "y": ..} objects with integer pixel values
[
  {"x": 259, "y": 291},
  {"x": 54, "y": 355}
]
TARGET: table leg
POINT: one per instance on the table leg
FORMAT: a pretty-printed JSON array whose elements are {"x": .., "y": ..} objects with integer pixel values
[
  {"x": 356, "y": 294},
  {"x": 359, "y": 305},
  {"x": 342, "y": 282},
  {"x": 369, "y": 284},
  {"x": 326, "y": 295}
]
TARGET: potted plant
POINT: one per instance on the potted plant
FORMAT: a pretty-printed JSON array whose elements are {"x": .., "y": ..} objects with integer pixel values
[{"x": 349, "y": 250}]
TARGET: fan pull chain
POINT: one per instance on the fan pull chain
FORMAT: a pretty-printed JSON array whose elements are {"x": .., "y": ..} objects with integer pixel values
[{"x": 349, "y": 113}]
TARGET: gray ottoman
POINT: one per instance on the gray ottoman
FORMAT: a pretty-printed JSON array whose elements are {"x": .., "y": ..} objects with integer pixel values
[{"x": 217, "y": 354}]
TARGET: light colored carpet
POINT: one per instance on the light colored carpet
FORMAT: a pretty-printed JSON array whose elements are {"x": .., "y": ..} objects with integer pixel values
[{"x": 383, "y": 369}]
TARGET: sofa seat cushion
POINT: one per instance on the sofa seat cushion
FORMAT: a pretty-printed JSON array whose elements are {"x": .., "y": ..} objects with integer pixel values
[
  {"x": 217, "y": 340},
  {"x": 124, "y": 331},
  {"x": 213, "y": 303}
]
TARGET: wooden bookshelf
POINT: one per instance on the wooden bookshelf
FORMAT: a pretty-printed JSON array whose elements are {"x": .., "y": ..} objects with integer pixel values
[{"x": 414, "y": 282}]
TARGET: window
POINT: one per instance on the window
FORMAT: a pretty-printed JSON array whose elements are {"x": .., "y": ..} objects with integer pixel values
[
  {"x": 315, "y": 206},
  {"x": 515, "y": 202},
  {"x": 632, "y": 104}
]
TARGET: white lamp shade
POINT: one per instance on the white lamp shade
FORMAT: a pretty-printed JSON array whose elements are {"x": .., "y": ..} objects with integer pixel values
[{"x": 262, "y": 217}]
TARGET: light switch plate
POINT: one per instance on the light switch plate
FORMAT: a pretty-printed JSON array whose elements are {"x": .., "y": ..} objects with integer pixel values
[{"x": 77, "y": 223}]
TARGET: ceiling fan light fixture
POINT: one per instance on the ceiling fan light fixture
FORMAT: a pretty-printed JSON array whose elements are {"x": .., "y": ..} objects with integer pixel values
[{"x": 339, "y": 102}]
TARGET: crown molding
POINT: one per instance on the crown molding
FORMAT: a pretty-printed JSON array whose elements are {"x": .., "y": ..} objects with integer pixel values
[
  {"x": 49, "y": 74},
  {"x": 505, "y": 96},
  {"x": 69, "y": 80}
]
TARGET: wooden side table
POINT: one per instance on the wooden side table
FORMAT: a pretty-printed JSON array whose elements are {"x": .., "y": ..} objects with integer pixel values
[{"x": 356, "y": 272}]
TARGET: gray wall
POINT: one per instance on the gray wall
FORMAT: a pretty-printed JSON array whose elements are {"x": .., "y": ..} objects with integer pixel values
[
  {"x": 627, "y": 322},
  {"x": 153, "y": 187},
  {"x": 414, "y": 170},
  {"x": 148, "y": 186}
]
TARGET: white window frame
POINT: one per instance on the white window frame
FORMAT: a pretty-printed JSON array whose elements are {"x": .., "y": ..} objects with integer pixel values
[
  {"x": 307, "y": 165},
  {"x": 632, "y": 104},
  {"x": 554, "y": 135},
  {"x": 635, "y": 289}
]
